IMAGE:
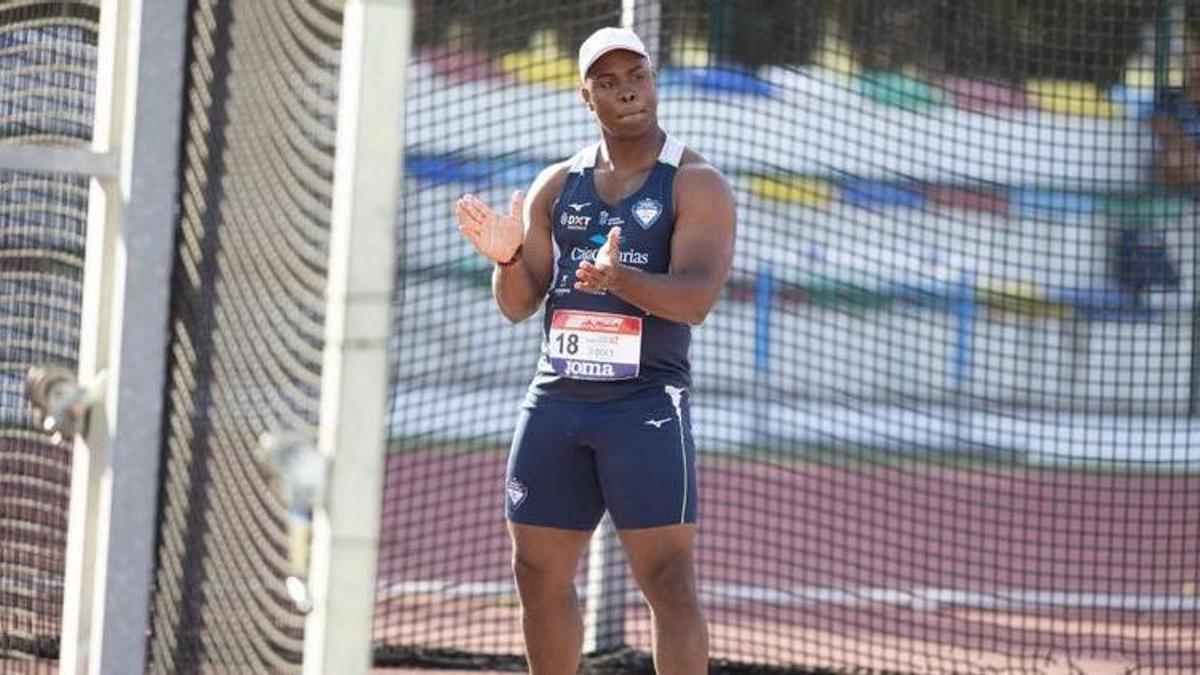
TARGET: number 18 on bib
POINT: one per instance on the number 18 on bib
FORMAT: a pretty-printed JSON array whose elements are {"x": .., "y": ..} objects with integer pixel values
[{"x": 595, "y": 345}]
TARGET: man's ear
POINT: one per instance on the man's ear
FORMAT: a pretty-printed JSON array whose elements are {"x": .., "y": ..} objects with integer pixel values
[{"x": 586, "y": 96}]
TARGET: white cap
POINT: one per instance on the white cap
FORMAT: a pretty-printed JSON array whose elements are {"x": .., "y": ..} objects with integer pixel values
[{"x": 608, "y": 40}]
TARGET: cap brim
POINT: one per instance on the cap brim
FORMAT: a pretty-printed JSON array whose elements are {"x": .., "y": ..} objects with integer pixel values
[{"x": 583, "y": 72}]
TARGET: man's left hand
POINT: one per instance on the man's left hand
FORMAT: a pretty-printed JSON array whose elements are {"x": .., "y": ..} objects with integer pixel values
[{"x": 601, "y": 275}]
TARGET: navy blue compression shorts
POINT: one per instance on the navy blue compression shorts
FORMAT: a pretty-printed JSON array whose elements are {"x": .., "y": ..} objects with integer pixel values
[{"x": 570, "y": 460}]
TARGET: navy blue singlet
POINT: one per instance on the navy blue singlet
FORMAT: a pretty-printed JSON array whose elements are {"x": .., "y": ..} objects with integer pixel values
[{"x": 581, "y": 220}]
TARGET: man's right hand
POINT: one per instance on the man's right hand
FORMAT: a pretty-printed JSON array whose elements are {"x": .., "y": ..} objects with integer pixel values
[{"x": 495, "y": 236}]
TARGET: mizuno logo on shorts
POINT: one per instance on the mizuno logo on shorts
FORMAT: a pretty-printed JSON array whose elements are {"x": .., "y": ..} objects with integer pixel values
[{"x": 657, "y": 424}]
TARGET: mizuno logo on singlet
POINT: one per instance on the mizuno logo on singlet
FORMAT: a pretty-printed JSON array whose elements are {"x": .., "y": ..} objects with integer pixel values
[{"x": 578, "y": 206}]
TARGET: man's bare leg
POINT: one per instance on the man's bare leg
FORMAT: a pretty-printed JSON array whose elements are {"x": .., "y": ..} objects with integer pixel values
[
  {"x": 544, "y": 563},
  {"x": 662, "y": 562}
]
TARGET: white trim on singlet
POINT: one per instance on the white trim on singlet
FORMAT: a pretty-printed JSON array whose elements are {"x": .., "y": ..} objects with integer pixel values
[
  {"x": 585, "y": 158},
  {"x": 556, "y": 253},
  {"x": 672, "y": 151},
  {"x": 671, "y": 154}
]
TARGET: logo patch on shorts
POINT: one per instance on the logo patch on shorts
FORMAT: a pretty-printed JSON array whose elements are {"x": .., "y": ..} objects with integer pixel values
[{"x": 516, "y": 492}]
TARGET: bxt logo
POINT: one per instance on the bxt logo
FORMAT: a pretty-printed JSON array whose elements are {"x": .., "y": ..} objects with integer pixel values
[{"x": 574, "y": 222}]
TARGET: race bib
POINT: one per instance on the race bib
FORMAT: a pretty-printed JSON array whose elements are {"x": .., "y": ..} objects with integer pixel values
[{"x": 595, "y": 345}]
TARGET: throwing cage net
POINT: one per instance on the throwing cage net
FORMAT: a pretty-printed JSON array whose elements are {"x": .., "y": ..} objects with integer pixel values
[
  {"x": 47, "y": 75},
  {"x": 247, "y": 326},
  {"x": 945, "y": 404}
]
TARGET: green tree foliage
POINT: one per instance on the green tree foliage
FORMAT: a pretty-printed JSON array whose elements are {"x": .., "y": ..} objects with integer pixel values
[{"x": 1086, "y": 40}]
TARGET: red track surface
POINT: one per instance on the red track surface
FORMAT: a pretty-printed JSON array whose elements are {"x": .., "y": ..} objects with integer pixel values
[
  {"x": 1111, "y": 538},
  {"x": 814, "y": 526}
]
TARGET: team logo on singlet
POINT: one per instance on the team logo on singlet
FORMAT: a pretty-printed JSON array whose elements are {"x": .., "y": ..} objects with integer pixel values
[{"x": 646, "y": 212}]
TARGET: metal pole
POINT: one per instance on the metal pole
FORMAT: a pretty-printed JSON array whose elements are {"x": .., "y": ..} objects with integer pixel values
[
  {"x": 607, "y": 581},
  {"x": 90, "y": 453},
  {"x": 644, "y": 17},
  {"x": 376, "y": 43},
  {"x": 764, "y": 301},
  {"x": 720, "y": 31},
  {"x": 131, "y": 223},
  {"x": 963, "y": 306},
  {"x": 1194, "y": 380},
  {"x": 1162, "y": 49}
]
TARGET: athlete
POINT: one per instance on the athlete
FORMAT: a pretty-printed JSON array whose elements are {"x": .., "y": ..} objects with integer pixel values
[
  {"x": 1176, "y": 126},
  {"x": 626, "y": 245}
]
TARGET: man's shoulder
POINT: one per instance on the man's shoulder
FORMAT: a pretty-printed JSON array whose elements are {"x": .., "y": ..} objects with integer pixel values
[
  {"x": 558, "y": 171},
  {"x": 696, "y": 174},
  {"x": 550, "y": 180},
  {"x": 694, "y": 165}
]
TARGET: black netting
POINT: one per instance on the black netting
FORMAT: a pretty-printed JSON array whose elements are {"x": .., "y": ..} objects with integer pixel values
[
  {"x": 247, "y": 323},
  {"x": 47, "y": 78},
  {"x": 945, "y": 405}
]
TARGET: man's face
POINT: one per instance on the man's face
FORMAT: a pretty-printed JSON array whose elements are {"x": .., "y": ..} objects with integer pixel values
[{"x": 620, "y": 89}]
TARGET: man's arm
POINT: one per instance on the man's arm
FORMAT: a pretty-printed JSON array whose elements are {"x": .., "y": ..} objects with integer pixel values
[
  {"x": 701, "y": 253},
  {"x": 520, "y": 287}
]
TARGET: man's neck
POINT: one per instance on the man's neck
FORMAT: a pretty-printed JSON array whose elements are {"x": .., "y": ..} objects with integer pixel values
[{"x": 632, "y": 154}]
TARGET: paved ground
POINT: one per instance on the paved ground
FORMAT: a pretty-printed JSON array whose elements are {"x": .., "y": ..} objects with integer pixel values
[
  {"x": 901, "y": 566},
  {"x": 870, "y": 564}
]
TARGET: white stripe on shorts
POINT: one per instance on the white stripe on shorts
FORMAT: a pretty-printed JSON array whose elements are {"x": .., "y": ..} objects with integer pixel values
[{"x": 676, "y": 396}]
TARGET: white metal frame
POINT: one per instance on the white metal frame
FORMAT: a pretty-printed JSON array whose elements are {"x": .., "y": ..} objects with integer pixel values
[
  {"x": 48, "y": 159},
  {"x": 132, "y": 214},
  {"x": 130, "y": 233},
  {"x": 376, "y": 41}
]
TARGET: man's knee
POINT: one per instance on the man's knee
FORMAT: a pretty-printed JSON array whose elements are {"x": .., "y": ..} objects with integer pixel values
[
  {"x": 534, "y": 575},
  {"x": 544, "y": 561},
  {"x": 670, "y": 585}
]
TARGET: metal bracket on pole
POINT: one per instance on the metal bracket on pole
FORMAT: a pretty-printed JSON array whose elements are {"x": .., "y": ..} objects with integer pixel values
[
  {"x": 302, "y": 476},
  {"x": 46, "y": 159},
  {"x": 60, "y": 402}
]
